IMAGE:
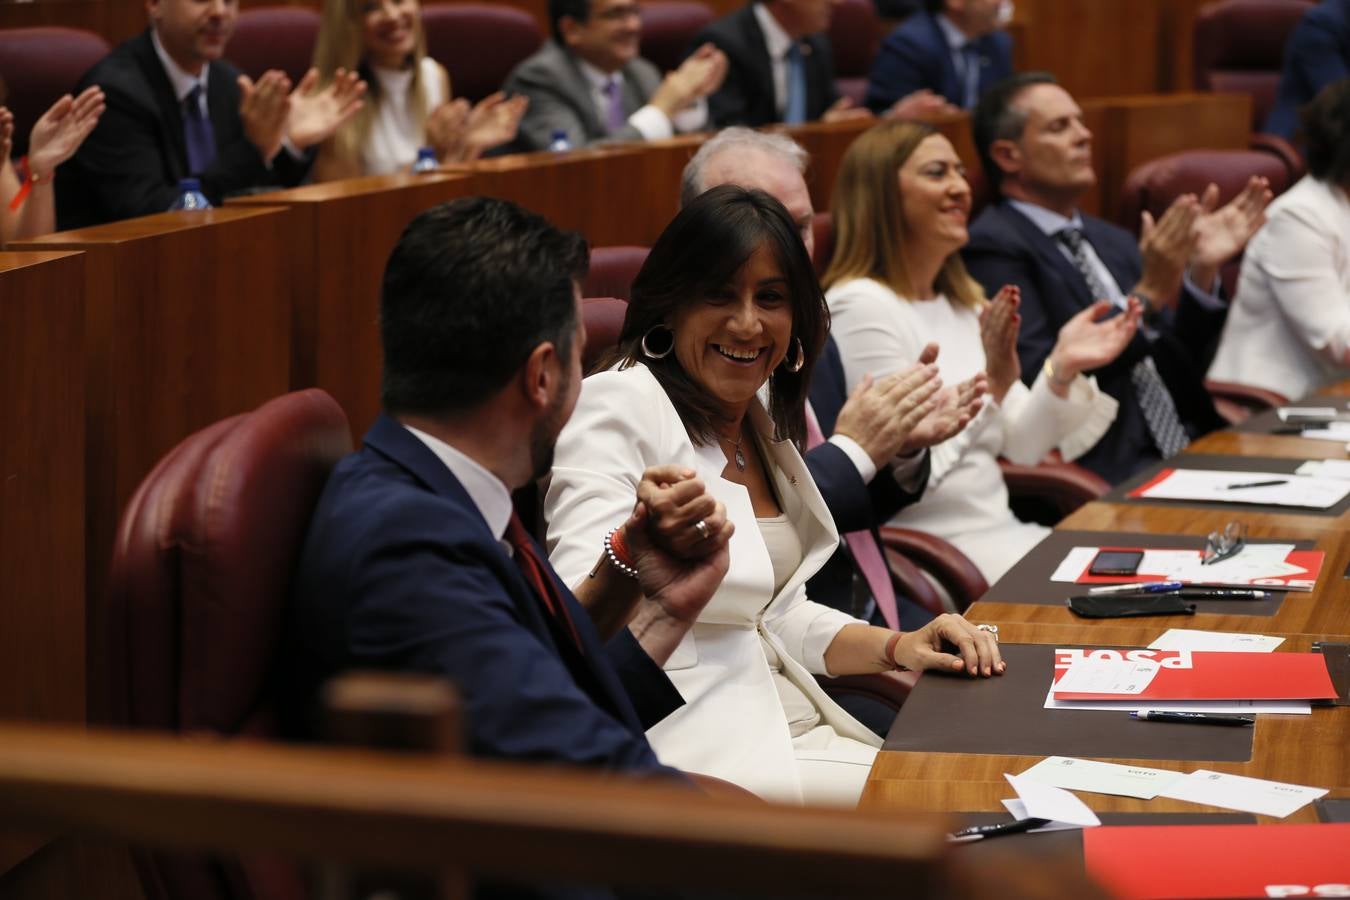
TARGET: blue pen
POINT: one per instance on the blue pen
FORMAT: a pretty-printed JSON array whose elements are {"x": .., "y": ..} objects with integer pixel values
[{"x": 1146, "y": 587}]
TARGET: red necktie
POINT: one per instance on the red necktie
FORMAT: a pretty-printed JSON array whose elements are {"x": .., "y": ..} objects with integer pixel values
[
  {"x": 866, "y": 554},
  {"x": 536, "y": 574}
]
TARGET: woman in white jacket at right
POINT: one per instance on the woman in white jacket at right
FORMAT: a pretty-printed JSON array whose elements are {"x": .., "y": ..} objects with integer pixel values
[{"x": 896, "y": 283}]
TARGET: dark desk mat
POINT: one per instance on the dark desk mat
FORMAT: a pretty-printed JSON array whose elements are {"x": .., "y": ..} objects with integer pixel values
[
  {"x": 1268, "y": 420},
  {"x": 1029, "y": 580},
  {"x": 1329, "y": 809},
  {"x": 1338, "y": 665},
  {"x": 1006, "y": 715},
  {"x": 1120, "y": 494},
  {"x": 1065, "y": 845}
]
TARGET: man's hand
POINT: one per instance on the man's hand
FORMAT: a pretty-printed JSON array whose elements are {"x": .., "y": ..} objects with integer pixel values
[
  {"x": 976, "y": 650},
  {"x": 1090, "y": 340},
  {"x": 844, "y": 108},
  {"x": 1166, "y": 246},
  {"x": 263, "y": 108},
  {"x": 492, "y": 122},
  {"x": 58, "y": 134},
  {"x": 447, "y": 127},
  {"x": 1221, "y": 234},
  {"x": 675, "y": 501},
  {"x": 879, "y": 416},
  {"x": 999, "y": 325},
  {"x": 956, "y": 406},
  {"x": 315, "y": 114},
  {"x": 922, "y": 104},
  {"x": 697, "y": 77}
]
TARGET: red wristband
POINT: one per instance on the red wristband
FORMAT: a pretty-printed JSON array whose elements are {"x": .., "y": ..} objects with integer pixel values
[
  {"x": 616, "y": 542},
  {"x": 890, "y": 651}
]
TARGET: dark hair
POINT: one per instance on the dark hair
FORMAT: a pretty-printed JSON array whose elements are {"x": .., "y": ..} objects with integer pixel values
[
  {"x": 700, "y": 251},
  {"x": 996, "y": 119},
  {"x": 1326, "y": 134},
  {"x": 472, "y": 287},
  {"x": 577, "y": 9}
]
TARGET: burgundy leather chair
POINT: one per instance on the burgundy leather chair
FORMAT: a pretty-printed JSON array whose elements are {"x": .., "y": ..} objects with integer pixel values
[
  {"x": 1238, "y": 48},
  {"x": 200, "y": 576},
  {"x": 855, "y": 36},
  {"x": 274, "y": 37},
  {"x": 38, "y": 65},
  {"x": 668, "y": 29},
  {"x": 1236, "y": 402},
  {"x": 478, "y": 43},
  {"x": 1051, "y": 489},
  {"x": 612, "y": 271}
]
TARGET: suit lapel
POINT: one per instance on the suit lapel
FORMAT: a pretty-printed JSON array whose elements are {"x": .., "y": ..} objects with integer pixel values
[
  {"x": 951, "y": 81},
  {"x": 170, "y": 113},
  {"x": 758, "y": 57},
  {"x": 1047, "y": 248},
  {"x": 577, "y": 86}
]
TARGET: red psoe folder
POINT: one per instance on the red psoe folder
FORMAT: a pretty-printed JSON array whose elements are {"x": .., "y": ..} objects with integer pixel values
[
  {"x": 1149, "y": 862},
  {"x": 1196, "y": 675}
]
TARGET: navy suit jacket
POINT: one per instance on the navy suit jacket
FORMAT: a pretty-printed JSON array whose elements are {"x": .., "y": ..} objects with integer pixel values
[
  {"x": 916, "y": 55},
  {"x": 856, "y": 505},
  {"x": 746, "y": 96},
  {"x": 1008, "y": 248},
  {"x": 1317, "y": 54},
  {"x": 131, "y": 163},
  {"x": 400, "y": 572}
]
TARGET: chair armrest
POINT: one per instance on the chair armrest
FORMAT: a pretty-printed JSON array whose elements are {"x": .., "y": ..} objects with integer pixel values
[
  {"x": 1278, "y": 146},
  {"x": 910, "y": 582},
  {"x": 889, "y": 688},
  {"x": 1050, "y": 490},
  {"x": 1235, "y": 402},
  {"x": 948, "y": 565}
]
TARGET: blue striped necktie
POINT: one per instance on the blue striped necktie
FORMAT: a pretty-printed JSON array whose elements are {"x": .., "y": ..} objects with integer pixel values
[{"x": 795, "y": 112}]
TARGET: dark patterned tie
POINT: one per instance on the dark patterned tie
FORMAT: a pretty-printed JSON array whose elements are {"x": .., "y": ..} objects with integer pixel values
[
  {"x": 198, "y": 134},
  {"x": 1155, "y": 401},
  {"x": 537, "y": 575}
]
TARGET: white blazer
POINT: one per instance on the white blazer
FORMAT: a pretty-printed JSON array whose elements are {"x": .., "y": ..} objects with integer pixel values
[
  {"x": 732, "y": 724},
  {"x": 1288, "y": 329}
]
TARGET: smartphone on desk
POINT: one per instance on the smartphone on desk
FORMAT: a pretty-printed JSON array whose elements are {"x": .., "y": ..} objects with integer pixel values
[{"x": 1116, "y": 562}]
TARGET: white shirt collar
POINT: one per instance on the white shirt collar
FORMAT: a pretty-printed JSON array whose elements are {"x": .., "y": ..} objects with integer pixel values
[
  {"x": 956, "y": 38},
  {"x": 1048, "y": 221},
  {"x": 776, "y": 40},
  {"x": 597, "y": 78},
  {"x": 486, "y": 490},
  {"x": 182, "y": 82}
]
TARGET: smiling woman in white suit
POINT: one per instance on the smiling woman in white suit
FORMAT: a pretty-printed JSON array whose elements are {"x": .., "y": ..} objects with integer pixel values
[{"x": 725, "y": 311}]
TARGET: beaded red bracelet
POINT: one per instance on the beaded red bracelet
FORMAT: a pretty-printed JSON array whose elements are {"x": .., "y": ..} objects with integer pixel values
[{"x": 618, "y": 554}]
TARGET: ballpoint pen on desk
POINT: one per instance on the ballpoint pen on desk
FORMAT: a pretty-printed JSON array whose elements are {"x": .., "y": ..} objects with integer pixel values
[
  {"x": 1223, "y": 593},
  {"x": 977, "y": 832},
  {"x": 1190, "y": 718},
  {"x": 1270, "y": 482},
  {"x": 1142, "y": 587}
]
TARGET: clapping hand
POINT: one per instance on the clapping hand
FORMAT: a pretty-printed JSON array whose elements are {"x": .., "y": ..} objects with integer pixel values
[
  {"x": 696, "y": 78},
  {"x": 999, "y": 326},
  {"x": 920, "y": 104},
  {"x": 845, "y": 108},
  {"x": 315, "y": 114},
  {"x": 58, "y": 134},
  {"x": 880, "y": 415},
  {"x": 447, "y": 129},
  {"x": 493, "y": 121},
  {"x": 263, "y": 108},
  {"x": 1090, "y": 340},
  {"x": 1222, "y": 233},
  {"x": 1166, "y": 247}
]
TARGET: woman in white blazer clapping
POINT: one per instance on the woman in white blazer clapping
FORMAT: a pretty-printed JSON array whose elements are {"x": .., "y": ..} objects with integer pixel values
[{"x": 727, "y": 316}]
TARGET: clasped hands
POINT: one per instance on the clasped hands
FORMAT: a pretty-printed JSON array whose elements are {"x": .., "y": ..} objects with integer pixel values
[{"x": 272, "y": 112}]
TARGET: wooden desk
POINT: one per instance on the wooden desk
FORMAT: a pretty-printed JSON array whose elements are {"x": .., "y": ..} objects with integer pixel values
[
  {"x": 1240, "y": 443},
  {"x": 1299, "y": 749},
  {"x": 186, "y": 321}
]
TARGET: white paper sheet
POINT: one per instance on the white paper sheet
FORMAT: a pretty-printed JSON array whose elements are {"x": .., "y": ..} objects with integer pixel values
[
  {"x": 1075, "y": 564},
  {"x": 1215, "y": 486},
  {"x": 1101, "y": 777},
  {"x": 1019, "y": 811},
  {"x": 1336, "y": 431},
  {"x": 1108, "y": 676},
  {"x": 1253, "y": 795},
  {"x": 1045, "y": 801},
  {"x": 1251, "y": 564},
  {"x": 1294, "y": 413},
  {"x": 1229, "y": 707},
  {"x": 1326, "y": 468},
  {"x": 1215, "y": 641}
]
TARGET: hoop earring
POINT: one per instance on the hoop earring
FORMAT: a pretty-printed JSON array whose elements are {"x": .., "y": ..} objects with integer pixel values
[
  {"x": 796, "y": 364},
  {"x": 662, "y": 354}
]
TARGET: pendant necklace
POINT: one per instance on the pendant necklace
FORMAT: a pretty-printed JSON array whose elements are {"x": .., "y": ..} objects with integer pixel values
[{"x": 739, "y": 457}]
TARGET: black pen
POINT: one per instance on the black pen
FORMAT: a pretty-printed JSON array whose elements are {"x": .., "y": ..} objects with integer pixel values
[
  {"x": 1154, "y": 715},
  {"x": 1204, "y": 593},
  {"x": 1256, "y": 484},
  {"x": 987, "y": 831}
]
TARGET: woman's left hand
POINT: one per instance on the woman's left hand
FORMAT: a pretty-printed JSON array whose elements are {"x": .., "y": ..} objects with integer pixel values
[
  {"x": 1090, "y": 340},
  {"x": 493, "y": 122},
  {"x": 58, "y": 134},
  {"x": 682, "y": 519},
  {"x": 976, "y": 650},
  {"x": 999, "y": 326}
]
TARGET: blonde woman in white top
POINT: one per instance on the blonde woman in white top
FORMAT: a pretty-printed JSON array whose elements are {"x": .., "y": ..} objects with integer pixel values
[
  {"x": 896, "y": 283},
  {"x": 1288, "y": 329},
  {"x": 408, "y": 104}
]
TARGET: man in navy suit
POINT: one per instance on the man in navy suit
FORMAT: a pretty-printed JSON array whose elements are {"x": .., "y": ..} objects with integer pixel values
[
  {"x": 1317, "y": 54},
  {"x": 953, "y": 48},
  {"x": 1037, "y": 158},
  {"x": 175, "y": 109},
  {"x": 415, "y": 560}
]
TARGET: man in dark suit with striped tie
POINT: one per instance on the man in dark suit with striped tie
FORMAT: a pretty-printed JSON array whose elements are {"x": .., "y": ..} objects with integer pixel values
[{"x": 1037, "y": 157}]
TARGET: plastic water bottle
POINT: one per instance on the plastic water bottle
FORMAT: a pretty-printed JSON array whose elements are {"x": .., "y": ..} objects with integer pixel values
[
  {"x": 190, "y": 195},
  {"x": 558, "y": 141},
  {"x": 426, "y": 160}
]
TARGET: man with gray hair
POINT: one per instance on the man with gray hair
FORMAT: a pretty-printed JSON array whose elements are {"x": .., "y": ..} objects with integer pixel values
[{"x": 876, "y": 459}]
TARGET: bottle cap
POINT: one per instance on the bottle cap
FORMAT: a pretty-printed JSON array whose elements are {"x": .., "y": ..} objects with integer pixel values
[{"x": 190, "y": 184}]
